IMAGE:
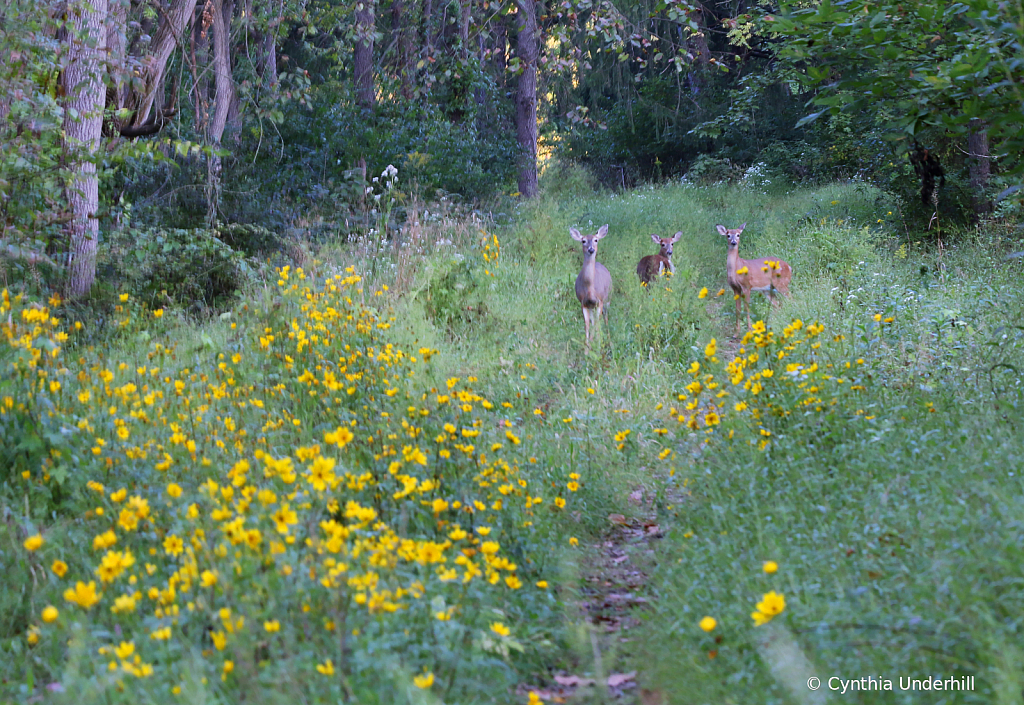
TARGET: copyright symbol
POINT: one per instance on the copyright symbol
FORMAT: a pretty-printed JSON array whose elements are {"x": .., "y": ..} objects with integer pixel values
[{"x": 813, "y": 683}]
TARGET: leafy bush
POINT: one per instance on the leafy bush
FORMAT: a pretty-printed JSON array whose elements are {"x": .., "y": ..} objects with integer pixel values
[
  {"x": 707, "y": 169},
  {"x": 250, "y": 239},
  {"x": 194, "y": 268}
]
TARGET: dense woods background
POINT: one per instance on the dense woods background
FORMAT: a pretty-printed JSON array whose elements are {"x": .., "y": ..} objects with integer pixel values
[{"x": 120, "y": 117}]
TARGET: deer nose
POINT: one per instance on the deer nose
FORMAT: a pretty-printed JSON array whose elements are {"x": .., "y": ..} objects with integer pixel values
[{"x": 591, "y": 250}]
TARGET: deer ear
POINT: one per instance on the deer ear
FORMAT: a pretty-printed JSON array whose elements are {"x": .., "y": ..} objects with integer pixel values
[
  {"x": 657, "y": 240},
  {"x": 675, "y": 238},
  {"x": 576, "y": 235},
  {"x": 742, "y": 227},
  {"x": 602, "y": 231},
  {"x": 722, "y": 230}
]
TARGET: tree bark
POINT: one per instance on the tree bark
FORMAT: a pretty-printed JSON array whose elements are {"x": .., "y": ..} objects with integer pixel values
[
  {"x": 117, "y": 54},
  {"x": 224, "y": 95},
  {"x": 173, "y": 23},
  {"x": 501, "y": 49},
  {"x": 526, "y": 96},
  {"x": 406, "y": 66},
  {"x": 85, "y": 39},
  {"x": 365, "y": 26},
  {"x": 270, "y": 59},
  {"x": 465, "y": 15},
  {"x": 979, "y": 167}
]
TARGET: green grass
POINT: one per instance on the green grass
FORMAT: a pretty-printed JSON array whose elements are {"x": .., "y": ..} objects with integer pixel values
[{"x": 898, "y": 537}]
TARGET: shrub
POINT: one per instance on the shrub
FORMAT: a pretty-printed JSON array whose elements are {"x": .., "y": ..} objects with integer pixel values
[{"x": 194, "y": 268}]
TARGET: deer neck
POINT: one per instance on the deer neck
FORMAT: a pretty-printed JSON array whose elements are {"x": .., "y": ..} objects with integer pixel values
[
  {"x": 732, "y": 260},
  {"x": 589, "y": 266}
]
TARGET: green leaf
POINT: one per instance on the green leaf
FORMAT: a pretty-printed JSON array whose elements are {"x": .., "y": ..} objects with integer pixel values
[{"x": 808, "y": 119}]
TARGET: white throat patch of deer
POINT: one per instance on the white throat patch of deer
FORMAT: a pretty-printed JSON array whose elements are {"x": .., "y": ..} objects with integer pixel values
[
  {"x": 594, "y": 283},
  {"x": 768, "y": 275},
  {"x": 653, "y": 266}
]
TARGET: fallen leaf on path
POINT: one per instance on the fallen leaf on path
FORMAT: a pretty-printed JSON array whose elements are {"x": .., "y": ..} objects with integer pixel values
[
  {"x": 636, "y": 496},
  {"x": 617, "y": 519},
  {"x": 616, "y": 680},
  {"x": 574, "y": 681}
]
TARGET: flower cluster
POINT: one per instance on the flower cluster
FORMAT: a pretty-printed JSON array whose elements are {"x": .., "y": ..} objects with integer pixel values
[
  {"x": 770, "y": 378},
  {"x": 491, "y": 249},
  {"x": 305, "y": 485}
]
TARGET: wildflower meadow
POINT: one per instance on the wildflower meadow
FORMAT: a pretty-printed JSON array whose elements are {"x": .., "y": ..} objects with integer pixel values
[{"x": 401, "y": 482}]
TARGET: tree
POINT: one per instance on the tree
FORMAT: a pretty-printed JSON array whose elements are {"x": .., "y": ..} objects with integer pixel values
[
  {"x": 363, "y": 53},
  {"x": 139, "y": 80},
  {"x": 952, "y": 67},
  {"x": 527, "y": 51},
  {"x": 84, "y": 37},
  {"x": 224, "y": 95}
]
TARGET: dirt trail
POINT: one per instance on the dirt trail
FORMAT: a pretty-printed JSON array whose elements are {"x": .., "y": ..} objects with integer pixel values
[{"x": 613, "y": 586}]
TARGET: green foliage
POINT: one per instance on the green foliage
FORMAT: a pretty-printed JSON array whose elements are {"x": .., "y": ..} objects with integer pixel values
[
  {"x": 926, "y": 64},
  {"x": 191, "y": 268},
  {"x": 249, "y": 239},
  {"x": 321, "y": 145},
  {"x": 707, "y": 170},
  {"x": 32, "y": 177},
  {"x": 452, "y": 294}
]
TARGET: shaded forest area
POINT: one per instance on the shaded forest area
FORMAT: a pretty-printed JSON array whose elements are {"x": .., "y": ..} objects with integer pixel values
[{"x": 270, "y": 118}]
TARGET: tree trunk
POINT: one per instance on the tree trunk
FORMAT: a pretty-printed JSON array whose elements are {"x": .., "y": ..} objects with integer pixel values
[
  {"x": 428, "y": 35},
  {"x": 365, "y": 26},
  {"x": 501, "y": 49},
  {"x": 117, "y": 54},
  {"x": 85, "y": 39},
  {"x": 979, "y": 167},
  {"x": 406, "y": 66},
  {"x": 526, "y": 96},
  {"x": 465, "y": 15},
  {"x": 697, "y": 45},
  {"x": 270, "y": 59},
  {"x": 172, "y": 26},
  {"x": 224, "y": 88},
  {"x": 199, "y": 45}
]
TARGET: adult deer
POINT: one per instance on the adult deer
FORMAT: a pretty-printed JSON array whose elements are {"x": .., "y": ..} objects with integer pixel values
[
  {"x": 767, "y": 275},
  {"x": 594, "y": 283},
  {"x": 652, "y": 266}
]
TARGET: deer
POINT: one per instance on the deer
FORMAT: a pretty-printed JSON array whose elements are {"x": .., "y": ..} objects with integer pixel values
[
  {"x": 594, "y": 283},
  {"x": 653, "y": 266},
  {"x": 767, "y": 275}
]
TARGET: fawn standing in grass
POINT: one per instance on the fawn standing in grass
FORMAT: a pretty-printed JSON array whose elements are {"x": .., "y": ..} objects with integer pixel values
[
  {"x": 594, "y": 283},
  {"x": 652, "y": 266},
  {"x": 767, "y": 275}
]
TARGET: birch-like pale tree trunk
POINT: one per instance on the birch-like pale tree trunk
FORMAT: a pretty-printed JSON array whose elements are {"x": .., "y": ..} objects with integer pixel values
[
  {"x": 84, "y": 38},
  {"x": 224, "y": 89}
]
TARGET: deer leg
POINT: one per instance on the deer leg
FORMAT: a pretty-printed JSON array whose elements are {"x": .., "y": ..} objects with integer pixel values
[
  {"x": 586, "y": 324},
  {"x": 602, "y": 311}
]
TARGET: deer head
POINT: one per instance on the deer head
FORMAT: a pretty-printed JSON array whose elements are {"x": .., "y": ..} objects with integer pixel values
[
  {"x": 732, "y": 235},
  {"x": 589, "y": 241}
]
